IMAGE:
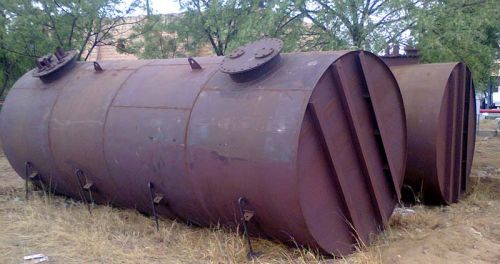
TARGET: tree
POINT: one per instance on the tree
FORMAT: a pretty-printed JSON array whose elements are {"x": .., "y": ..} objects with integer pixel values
[
  {"x": 454, "y": 30},
  {"x": 30, "y": 29},
  {"x": 363, "y": 24},
  {"x": 274, "y": 18},
  {"x": 21, "y": 41},
  {"x": 157, "y": 37},
  {"x": 218, "y": 20},
  {"x": 227, "y": 24},
  {"x": 83, "y": 25}
]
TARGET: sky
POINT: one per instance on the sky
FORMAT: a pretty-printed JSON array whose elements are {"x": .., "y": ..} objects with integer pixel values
[
  {"x": 165, "y": 6},
  {"x": 159, "y": 6}
]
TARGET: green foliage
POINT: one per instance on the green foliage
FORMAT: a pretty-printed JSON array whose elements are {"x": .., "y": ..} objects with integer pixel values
[
  {"x": 219, "y": 21},
  {"x": 227, "y": 24},
  {"x": 161, "y": 37},
  {"x": 30, "y": 29},
  {"x": 454, "y": 30},
  {"x": 444, "y": 30},
  {"x": 18, "y": 47},
  {"x": 276, "y": 18},
  {"x": 221, "y": 25},
  {"x": 362, "y": 24}
]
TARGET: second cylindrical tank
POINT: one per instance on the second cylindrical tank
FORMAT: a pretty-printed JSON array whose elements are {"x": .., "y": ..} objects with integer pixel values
[{"x": 439, "y": 101}]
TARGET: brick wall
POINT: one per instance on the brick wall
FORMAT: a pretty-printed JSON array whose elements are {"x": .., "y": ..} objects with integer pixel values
[{"x": 109, "y": 52}]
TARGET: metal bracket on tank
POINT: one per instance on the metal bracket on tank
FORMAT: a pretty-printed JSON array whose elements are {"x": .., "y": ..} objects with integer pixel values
[
  {"x": 246, "y": 216},
  {"x": 88, "y": 187},
  {"x": 28, "y": 176},
  {"x": 155, "y": 200},
  {"x": 194, "y": 64},
  {"x": 84, "y": 188},
  {"x": 31, "y": 175},
  {"x": 97, "y": 67}
]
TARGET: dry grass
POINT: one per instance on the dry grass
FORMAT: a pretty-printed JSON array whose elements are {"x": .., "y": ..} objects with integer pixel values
[
  {"x": 488, "y": 124},
  {"x": 63, "y": 230}
]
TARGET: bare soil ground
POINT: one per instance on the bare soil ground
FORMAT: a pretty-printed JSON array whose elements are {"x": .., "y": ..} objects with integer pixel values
[{"x": 62, "y": 229}]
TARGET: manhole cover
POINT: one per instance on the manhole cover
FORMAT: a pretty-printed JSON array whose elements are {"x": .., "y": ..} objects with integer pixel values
[{"x": 251, "y": 56}]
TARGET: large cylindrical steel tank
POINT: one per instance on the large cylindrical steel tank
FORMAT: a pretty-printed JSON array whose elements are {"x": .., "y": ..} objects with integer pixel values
[
  {"x": 440, "y": 110},
  {"x": 314, "y": 142}
]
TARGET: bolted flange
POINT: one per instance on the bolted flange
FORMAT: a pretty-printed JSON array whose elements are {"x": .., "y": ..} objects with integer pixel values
[
  {"x": 51, "y": 63},
  {"x": 254, "y": 57},
  {"x": 236, "y": 53}
]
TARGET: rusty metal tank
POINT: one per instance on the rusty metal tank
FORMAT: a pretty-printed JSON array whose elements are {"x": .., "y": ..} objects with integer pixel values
[
  {"x": 315, "y": 143},
  {"x": 440, "y": 110}
]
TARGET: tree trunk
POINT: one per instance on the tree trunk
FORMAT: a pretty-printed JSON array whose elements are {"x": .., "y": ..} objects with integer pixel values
[{"x": 4, "y": 84}]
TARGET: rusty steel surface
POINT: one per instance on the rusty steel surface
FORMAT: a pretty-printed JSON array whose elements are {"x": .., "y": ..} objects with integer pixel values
[
  {"x": 315, "y": 143},
  {"x": 439, "y": 102}
]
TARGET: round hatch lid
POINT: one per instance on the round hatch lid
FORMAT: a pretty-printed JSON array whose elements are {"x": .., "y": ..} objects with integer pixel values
[
  {"x": 251, "y": 56},
  {"x": 50, "y": 63}
]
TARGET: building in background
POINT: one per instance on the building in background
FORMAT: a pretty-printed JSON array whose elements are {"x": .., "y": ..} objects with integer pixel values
[{"x": 110, "y": 50}]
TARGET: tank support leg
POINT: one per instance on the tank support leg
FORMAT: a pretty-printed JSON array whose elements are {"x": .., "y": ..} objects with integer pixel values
[
  {"x": 39, "y": 177},
  {"x": 88, "y": 187},
  {"x": 79, "y": 174},
  {"x": 30, "y": 174},
  {"x": 153, "y": 204},
  {"x": 245, "y": 216},
  {"x": 27, "y": 167}
]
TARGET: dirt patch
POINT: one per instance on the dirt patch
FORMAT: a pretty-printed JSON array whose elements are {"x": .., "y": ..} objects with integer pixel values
[
  {"x": 467, "y": 232},
  {"x": 462, "y": 233}
]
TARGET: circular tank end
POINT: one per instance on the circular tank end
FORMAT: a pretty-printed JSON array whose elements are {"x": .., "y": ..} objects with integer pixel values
[
  {"x": 352, "y": 151},
  {"x": 455, "y": 134}
]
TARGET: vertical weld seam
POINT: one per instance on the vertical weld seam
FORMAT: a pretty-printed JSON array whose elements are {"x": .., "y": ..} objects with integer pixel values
[
  {"x": 56, "y": 168},
  {"x": 327, "y": 152},
  {"x": 337, "y": 76},
  {"x": 106, "y": 165},
  {"x": 187, "y": 170}
]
